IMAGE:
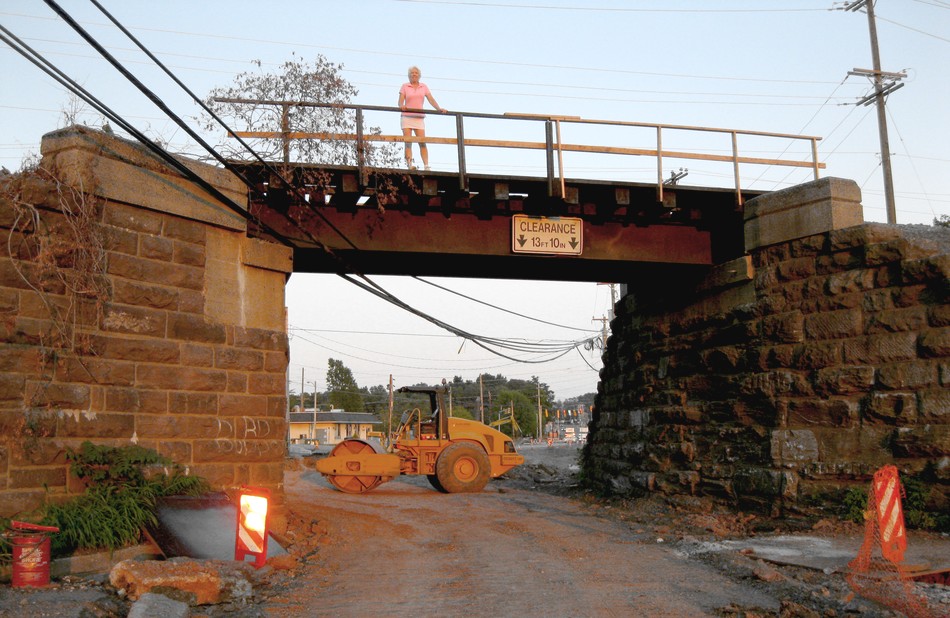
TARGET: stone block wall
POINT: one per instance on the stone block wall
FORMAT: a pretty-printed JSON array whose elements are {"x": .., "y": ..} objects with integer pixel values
[
  {"x": 134, "y": 309},
  {"x": 786, "y": 376}
]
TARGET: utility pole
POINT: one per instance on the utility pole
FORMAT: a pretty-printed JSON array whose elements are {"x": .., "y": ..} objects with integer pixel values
[
  {"x": 389, "y": 432},
  {"x": 313, "y": 417},
  {"x": 880, "y": 90},
  {"x": 613, "y": 298},
  {"x": 610, "y": 316},
  {"x": 481, "y": 399},
  {"x": 539, "y": 409},
  {"x": 603, "y": 332},
  {"x": 287, "y": 411}
]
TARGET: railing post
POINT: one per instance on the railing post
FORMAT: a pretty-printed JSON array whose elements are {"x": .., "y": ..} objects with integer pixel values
[
  {"x": 364, "y": 147},
  {"x": 560, "y": 160},
  {"x": 460, "y": 138},
  {"x": 659, "y": 164},
  {"x": 549, "y": 150},
  {"x": 285, "y": 129},
  {"x": 735, "y": 166},
  {"x": 360, "y": 148}
]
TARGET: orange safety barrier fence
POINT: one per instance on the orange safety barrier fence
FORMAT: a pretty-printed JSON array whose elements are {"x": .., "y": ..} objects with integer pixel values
[{"x": 878, "y": 572}]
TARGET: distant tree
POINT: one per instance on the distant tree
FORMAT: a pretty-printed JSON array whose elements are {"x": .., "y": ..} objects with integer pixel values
[
  {"x": 293, "y": 399},
  {"x": 497, "y": 392},
  {"x": 309, "y": 400},
  {"x": 297, "y": 80},
  {"x": 376, "y": 399},
  {"x": 526, "y": 409},
  {"x": 573, "y": 403},
  {"x": 342, "y": 388},
  {"x": 461, "y": 412},
  {"x": 942, "y": 221},
  {"x": 530, "y": 389}
]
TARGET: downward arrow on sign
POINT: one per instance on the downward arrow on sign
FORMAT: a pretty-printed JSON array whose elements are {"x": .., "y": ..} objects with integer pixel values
[{"x": 522, "y": 240}]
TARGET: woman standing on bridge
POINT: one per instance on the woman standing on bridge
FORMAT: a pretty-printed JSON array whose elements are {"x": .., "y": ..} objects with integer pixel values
[{"x": 412, "y": 96}]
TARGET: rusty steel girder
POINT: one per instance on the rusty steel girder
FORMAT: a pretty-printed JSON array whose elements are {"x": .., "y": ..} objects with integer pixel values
[{"x": 424, "y": 224}]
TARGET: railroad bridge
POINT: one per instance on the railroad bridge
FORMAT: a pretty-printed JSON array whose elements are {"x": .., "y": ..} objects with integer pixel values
[
  {"x": 452, "y": 222},
  {"x": 770, "y": 349}
]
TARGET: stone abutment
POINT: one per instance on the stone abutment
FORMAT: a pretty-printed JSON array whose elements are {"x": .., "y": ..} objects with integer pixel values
[
  {"x": 789, "y": 375},
  {"x": 135, "y": 309}
]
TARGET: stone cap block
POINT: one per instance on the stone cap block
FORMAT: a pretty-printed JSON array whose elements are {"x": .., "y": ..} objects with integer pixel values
[
  {"x": 803, "y": 210},
  {"x": 268, "y": 255},
  {"x": 125, "y": 171}
]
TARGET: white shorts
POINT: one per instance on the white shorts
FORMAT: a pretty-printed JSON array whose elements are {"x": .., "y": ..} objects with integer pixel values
[{"x": 413, "y": 122}]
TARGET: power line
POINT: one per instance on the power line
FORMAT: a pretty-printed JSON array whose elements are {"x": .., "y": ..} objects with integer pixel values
[
  {"x": 586, "y": 9},
  {"x": 453, "y": 78},
  {"x": 509, "y": 93},
  {"x": 912, "y": 165},
  {"x": 805, "y": 126},
  {"x": 891, "y": 21},
  {"x": 415, "y": 56},
  {"x": 490, "y": 344},
  {"x": 44, "y": 65},
  {"x": 520, "y": 315},
  {"x": 586, "y": 88},
  {"x": 177, "y": 119},
  {"x": 493, "y": 345},
  {"x": 363, "y": 332}
]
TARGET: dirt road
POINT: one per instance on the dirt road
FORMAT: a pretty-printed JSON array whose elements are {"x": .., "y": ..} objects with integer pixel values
[
  {"x": 406, "y": 549},
  {"x": 529, "y": 545}
]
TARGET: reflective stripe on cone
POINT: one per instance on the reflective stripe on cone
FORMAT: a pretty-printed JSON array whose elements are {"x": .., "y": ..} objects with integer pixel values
[{"x": 887, "y": 495}]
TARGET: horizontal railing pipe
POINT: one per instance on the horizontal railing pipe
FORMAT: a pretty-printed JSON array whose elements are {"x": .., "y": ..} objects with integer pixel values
[{"x": 552, "y": 140}]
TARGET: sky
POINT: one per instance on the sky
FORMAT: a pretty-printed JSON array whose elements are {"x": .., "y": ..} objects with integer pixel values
[{"x": 751, "y": 65}]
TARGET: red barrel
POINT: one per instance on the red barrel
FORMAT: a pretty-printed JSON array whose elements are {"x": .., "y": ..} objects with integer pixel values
[{"x": 30, "y": 553}]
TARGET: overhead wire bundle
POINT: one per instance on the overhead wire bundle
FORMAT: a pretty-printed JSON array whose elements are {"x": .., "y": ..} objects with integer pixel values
[{"x": 547, "y": 351}]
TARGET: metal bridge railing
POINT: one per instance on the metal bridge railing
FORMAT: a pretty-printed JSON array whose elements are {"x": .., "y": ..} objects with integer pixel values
[{"x": 552, "y": 143}]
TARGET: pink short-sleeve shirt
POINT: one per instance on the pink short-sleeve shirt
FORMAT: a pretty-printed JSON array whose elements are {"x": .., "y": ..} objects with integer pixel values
[{"x": 415, "y": 98}]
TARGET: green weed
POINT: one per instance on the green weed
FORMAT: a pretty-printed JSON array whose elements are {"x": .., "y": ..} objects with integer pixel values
[
  {"x": 914, "y": 505},
  {"x": 124, "y": 484}
]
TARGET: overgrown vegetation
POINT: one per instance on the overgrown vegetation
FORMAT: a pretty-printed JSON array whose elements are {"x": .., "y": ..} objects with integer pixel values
[
  {"x": 123, "y": 486},
  {"x": 297, "y": 82},
  {"x": 56, "y": 247},
  {"x": 854, "y": 505},
  {"x": 914, "y": 505}
]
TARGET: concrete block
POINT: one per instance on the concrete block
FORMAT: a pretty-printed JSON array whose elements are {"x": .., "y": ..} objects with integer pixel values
[
  {"x": 151, "y": 605},
  {"x": 739, "y": 270},
  {"x": 800, "y": 211},
  {"x": 101, "y": 561}
]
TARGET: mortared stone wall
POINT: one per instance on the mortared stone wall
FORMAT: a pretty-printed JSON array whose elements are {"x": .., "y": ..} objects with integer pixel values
[
  {"x": 789, "y": 374},
  {"x": 134, "y": 309}
]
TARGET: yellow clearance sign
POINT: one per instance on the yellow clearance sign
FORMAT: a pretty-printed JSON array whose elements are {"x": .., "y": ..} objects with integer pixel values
[{"x": 553, "y": 235}]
